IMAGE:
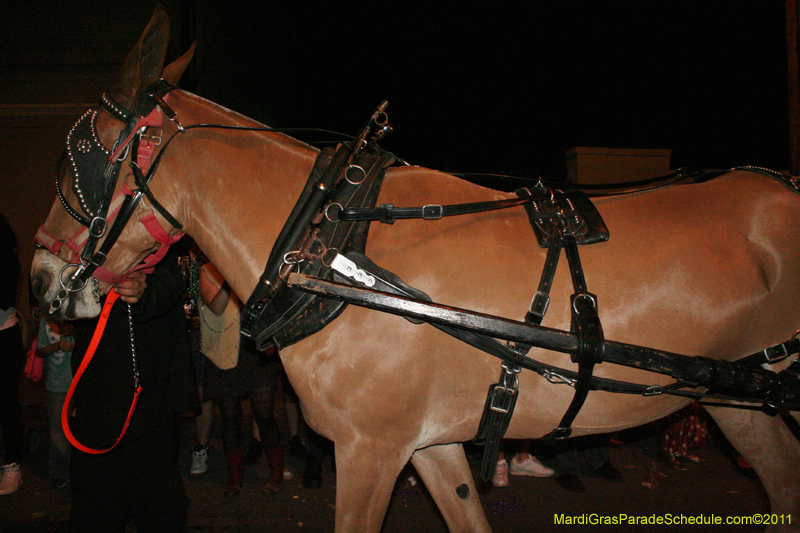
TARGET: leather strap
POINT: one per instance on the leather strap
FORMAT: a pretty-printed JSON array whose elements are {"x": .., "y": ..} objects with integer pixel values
[
  {"x": 586, "y": 326},
  {"x": 388, "y": 213},
  {"x": 87, "y": 358},
  {"x": 771, "y": 355}
]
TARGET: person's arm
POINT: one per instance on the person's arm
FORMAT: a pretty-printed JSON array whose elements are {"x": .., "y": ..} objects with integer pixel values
[
  {"x": 214, "y": 290},
  {"x": 162, "y": 290},
  {"x": 47, "y": 351},
  {"x": 43, "y": 346}
]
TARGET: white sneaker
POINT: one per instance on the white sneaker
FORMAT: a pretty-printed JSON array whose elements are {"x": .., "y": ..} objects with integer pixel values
[
  {"x": 500, "y": 477},
  {"x": 530, "y": 467},
  {"x": 199, "y": 462},
  {"x": 12, "y": 479}
]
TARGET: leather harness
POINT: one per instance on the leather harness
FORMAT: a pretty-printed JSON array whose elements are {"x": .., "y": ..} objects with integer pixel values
[{"x": 326, "y": 235}]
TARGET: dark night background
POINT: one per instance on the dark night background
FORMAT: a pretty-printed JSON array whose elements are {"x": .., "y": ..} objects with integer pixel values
[
  {"x": 473, "y": 86},
  {"x": 486, "y": 87}
]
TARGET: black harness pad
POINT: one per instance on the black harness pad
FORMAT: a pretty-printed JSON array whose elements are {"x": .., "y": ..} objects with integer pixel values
[
  {"x": 292, "y": 316},
  {"x": 572, "y": 206}
]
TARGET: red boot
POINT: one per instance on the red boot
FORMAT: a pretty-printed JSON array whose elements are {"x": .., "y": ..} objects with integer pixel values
[
  {"x": 275, "y": 458},
  {"x": 235, "y": 472}
]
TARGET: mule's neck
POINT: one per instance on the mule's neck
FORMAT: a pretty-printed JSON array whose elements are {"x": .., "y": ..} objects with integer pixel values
[{"x": 234, "y": 189}]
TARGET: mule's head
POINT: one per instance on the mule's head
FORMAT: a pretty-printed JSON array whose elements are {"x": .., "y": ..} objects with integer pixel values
[{"x": 70, "y": 270}]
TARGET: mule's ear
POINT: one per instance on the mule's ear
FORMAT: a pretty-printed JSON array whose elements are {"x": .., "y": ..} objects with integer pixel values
[
  {"x": 144, "y": 63},
  {"x": 173, "y": 72}
]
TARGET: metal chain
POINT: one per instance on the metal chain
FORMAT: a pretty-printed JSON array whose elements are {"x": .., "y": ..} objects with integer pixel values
[
  {"x": 95, "y": 289},
  {"x": 133, "y": 350},
  {"x": 203, "y": 316}
]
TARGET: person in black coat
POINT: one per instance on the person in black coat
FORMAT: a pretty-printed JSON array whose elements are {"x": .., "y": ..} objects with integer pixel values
[
  {"x": 12, "y": 359},
  {"x": 139, "y": 478}
]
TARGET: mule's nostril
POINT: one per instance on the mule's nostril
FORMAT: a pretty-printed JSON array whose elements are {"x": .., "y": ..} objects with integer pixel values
[{"x": 39, "y": 284}]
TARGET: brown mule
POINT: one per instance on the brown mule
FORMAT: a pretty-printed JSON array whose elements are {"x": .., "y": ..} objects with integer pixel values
[{"x": 711, "y": 269}]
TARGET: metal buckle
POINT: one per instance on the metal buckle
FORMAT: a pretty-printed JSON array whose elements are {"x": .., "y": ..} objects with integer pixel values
[
  {"x": 779, "y": 349},
  {"x": 98, "y": 226},
  {"x": 584, "y": 296},
  {"x": 97, "y": 259},
  {"x": 153, "y": 138},
  {"x": 507, "y": 388},
  {"x": 498, "y": 391},
  {"x": 539, "y": 304},
  {"x": 432, "y": 212}
]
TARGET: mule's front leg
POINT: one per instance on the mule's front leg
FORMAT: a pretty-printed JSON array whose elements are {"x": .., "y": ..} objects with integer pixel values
[
  {"x": 366, "y": 472},
  {"x": 446, "y": 474}
]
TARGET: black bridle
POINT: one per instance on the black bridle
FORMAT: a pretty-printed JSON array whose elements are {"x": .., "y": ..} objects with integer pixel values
[{"x": 95, "y": 173}]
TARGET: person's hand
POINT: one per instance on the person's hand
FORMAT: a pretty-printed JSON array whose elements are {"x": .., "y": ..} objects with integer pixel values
[
  {"x": 130, "y": 290},
  {"x": 65, "y": 346}
]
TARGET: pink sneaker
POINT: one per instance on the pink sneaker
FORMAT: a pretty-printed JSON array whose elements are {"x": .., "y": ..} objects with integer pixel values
[
  {"x": 500, "y": 477},
  {"x": 530, "y": 467},
  {"x": 12, "y": 479}
]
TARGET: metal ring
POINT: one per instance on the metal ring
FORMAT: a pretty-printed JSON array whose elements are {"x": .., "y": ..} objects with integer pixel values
[
  {"x": 352, "y": 182},
  {"x": 292, "y": 258},
  {"x": 61, "y": 277},
  {"x": 332, "y": 252},
  {"x": 381, "y": 118},
  {"x": 341, "y": 208}
]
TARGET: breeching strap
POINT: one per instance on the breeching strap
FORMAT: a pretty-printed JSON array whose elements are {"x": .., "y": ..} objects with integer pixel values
[{"x": 87, "y": 358}]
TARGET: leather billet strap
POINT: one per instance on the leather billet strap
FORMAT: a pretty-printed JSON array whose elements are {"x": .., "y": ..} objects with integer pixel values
[
  {"x": 589, "y": 331},
  {"x": 585, "y": 324},
  {"x": 495, "y": 421},
  {"x": 773, "y": 354},
  {"x": 388, "y": 213},
  {"x": 500, "y": 402}
]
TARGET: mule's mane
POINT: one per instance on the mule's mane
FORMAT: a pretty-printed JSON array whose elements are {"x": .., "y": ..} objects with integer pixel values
[{"x": 228, "y": 117}]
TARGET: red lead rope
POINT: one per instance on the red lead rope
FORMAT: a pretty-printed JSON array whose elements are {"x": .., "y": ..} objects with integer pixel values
[{"x": 87, "y": 358}]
